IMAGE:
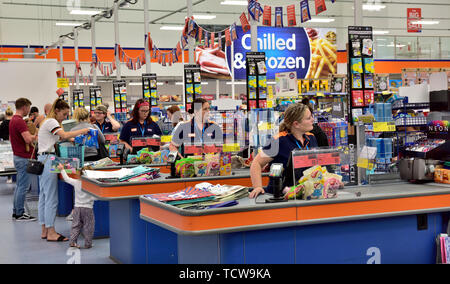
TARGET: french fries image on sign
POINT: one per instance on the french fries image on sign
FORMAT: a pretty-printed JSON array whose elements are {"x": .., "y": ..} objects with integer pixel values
[{"x": 323, "y": 59}]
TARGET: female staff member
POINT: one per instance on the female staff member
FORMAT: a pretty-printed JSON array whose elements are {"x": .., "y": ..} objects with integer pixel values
[
  {"x": 294, "y": 135},
  {"x": 101, "y": 113},
  {"x": 140, "y": 125},
  {"x": 199, "y": 130},
  {"x": 50, "y": 132}
]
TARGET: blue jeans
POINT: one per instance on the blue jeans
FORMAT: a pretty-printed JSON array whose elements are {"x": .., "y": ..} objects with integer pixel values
[
  {"x": 48, "y": 195},
  {"x": 22, "y": 185}
]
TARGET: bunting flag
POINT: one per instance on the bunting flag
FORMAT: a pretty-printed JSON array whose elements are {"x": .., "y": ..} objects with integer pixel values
[
  {"x": 227, "y": 37},
  {"x": 320, "y": 6},
  {"x": 211, "y": 41},
  {"x": 200, "y": 35},
  {"x": 244, "y": 23},
  {"x": 206, "y": 39},
  {"x": 279, "y": 17},
  {"x": 184, "y": 42},
  {"x": 291, "y": 16},
  {"x": 252, "y": 9},
  {"x": 220, "y": 40},
  {"x": 305, "y": 15},
  {"x": 233, "y": 32},
  {"x": 267, "y": 16},
  {"x": 174, "y": 55},
  {"x": 178, "y": 49}
]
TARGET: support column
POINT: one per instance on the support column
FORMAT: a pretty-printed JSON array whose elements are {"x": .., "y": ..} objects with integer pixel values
[
  {"x": 146, "y": 30},
  {"x": 77, "y": 78},
  {"x": 358, "y": 13},
  {"x": 61, "y": 56},
  {"x": 191, "y": 41},
  {"x": 116, "y": 36},
  {"x": 94, "y": 50}
]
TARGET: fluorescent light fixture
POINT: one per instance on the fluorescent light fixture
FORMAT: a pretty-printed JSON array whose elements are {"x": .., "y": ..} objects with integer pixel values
[
  {"x": 179, "y": 83},
  {"x": 135, "y": 84},
  {"x": 237, "y": 3},
  {"x": 322, "y": 20},
  {"x": 159, "y": 83},
  {"x": 380, "y": 32},
  {"x": 373, "y": 7},
  {"x": 68, "y": 24},
  {"x": 85, "y": 12},
  {"x": 172, "y": 28},
  {"x": 271, "y": 83},
  {"x": 205, "y": 17},
  {"x": 236, "y": 83},
  {"x": 424, "y": 22}
]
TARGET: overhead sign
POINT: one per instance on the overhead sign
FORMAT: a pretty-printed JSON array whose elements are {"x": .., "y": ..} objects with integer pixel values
[
  {"x": 286, "y": 49},
  {"x": 413, "y": 15}
]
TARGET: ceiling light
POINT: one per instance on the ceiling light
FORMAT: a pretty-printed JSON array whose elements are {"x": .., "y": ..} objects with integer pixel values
[
  {"x": 373, "y": 7},
  {"x": 204, "y": 17},
  {"x": 380, "y": 32},
  {"x": 322, "y": 20},
  {"x": 69, "y": 24},
  {"x": 84, "y": 12},
  {"x": 236, "y": 83},
  {"x": 172, "y": 28},
  {"x": 239, "y": 3},
  {"x": 423, "y": 22}
]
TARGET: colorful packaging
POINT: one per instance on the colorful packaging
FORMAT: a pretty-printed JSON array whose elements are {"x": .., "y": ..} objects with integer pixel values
[
  {"x": 291, "y": 16},
  {"x": 200, "y": 168},
  {"x": 164, "y": 156},
  {"x": 304, "y": 11},
  {"x": 279, "y": 17},
  {"x": 320, "y": 6},
  {"x": 357, "y": 67},
  {"x": 156, "y": 158},
  {"x": 369, "y": 65},
  {"x": 267, "y": 16},
  {"x": 70, "y": 165}
]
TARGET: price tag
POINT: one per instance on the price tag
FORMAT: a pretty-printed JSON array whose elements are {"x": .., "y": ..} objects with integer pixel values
[
  {"x": 305, "y": 161},
  {"x": 234, "y": 147},
  {"x": 139, "y": 142},
  {"x": 166, "y": 138},
  {"x": 365, "y": 164},
  {"x": 384, "y": 127},
  {"x": 329, "y": 159},
  {"x": 320, "y": 95},
  {"x": 62, "y": 83}
]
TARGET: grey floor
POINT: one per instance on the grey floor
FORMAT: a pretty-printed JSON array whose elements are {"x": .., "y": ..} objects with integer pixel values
[{"x": 20, "y": 242}]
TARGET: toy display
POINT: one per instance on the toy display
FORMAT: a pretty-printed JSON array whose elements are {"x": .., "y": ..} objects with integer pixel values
[
  {"x": 70, "y": 165},
  {"x": 316, "y": 183}
]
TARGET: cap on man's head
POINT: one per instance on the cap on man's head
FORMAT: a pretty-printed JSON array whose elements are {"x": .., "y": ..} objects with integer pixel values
[{"x": 102, "y": 108}]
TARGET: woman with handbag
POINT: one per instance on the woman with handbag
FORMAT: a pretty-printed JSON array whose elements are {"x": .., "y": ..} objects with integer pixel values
[{"x": 50, "y": 132}]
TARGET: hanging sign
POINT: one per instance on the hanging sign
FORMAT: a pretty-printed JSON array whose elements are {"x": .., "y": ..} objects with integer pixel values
[{"x": 412, "y": 15}]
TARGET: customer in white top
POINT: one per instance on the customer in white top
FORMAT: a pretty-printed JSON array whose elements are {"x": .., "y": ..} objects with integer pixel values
[
  {"x": 83, "y": 213},
  {"x": 50, "y": 132}
]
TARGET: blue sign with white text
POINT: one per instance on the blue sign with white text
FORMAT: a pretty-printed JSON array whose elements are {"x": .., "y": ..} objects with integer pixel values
[{"x": 287, "y": 50}]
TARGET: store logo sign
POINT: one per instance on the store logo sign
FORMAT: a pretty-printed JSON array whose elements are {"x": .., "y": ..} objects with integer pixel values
[{"x": 286, "y": 49}]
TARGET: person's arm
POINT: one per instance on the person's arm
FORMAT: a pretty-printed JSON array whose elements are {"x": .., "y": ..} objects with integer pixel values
[
  {"x": 128, "y": 146},
  {"x": 66, "y": 177},
  {"x": 115, "y": 124},
  {"x": 71, "y": 134},
  {"x": 260, "y": 161},
  {"x": 27, "y": 137}
]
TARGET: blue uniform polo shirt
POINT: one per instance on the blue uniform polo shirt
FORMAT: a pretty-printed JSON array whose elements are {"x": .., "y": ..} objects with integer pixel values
[
  {"x": 280, "y": 149},
  {"x": 132, "y": 129},
  {"x": 105, "y": 127}
]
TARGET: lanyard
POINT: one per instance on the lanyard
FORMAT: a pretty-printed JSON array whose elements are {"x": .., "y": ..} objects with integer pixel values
[
  {"x": 203, "y": 131},
  {"x": 300, "y": 147},
  {"x": 103, "y": 127},
  {"x": 142, "y": 129}
]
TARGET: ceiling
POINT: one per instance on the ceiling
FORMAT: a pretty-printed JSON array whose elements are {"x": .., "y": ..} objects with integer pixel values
[{"x": 45, "y": 13}]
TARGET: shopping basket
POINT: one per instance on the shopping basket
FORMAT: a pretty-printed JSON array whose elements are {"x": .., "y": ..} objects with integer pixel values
[{"x": 69, "y": 150}]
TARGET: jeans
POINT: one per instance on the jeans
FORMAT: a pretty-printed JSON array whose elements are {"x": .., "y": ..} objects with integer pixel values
[
  {"x": 22, "y": 185},
  {"x": 48, "y": 195}
]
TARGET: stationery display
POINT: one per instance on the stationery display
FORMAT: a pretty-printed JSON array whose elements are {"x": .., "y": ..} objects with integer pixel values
[
  {"x": 192, "y": 84},
  {"x": 149, "y": 88},
  {"x": 77, "y": 98},
  {"x": 256, "y": 80},
  {"x": 95, "y": 97},
  {"x": 120, "y": 98}
]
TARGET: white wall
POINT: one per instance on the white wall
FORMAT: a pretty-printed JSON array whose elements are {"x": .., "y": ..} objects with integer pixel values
[{"x": 33, "y": 79}]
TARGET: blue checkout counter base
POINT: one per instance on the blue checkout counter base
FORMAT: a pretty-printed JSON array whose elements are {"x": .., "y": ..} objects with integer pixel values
[
  {"x": 406, "y": 239},
  {"x": 101, "y": 209},
  {"x": 135, "y": 241}
]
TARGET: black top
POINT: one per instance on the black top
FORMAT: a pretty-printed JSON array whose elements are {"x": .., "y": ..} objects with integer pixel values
[
  {"x": 4, "y": 130},
  {"x": 320, "y": 136}
]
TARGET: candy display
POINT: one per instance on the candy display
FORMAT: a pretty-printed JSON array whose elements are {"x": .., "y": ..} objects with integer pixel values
[
  {"x": 316, "y": 183},
  {"x": 70, "y": 164}
]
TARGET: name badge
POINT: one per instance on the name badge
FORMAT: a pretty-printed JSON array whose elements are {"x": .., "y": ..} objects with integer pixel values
[
  {"x": 149, "y": 130},
  {"x": 191, "y": 135},
  {"x": 209, "y": 134},
  {"x": 133, "y": 129}
]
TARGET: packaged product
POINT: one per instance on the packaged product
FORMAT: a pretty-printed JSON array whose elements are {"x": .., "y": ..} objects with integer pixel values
[
  {"x": 132, "y": 159},
  {"x": 156, "y": 158},
  {"x": 164, "y": 156},
  {"x": 145, "y": 156},
  {"x": 200, "y": 168}
]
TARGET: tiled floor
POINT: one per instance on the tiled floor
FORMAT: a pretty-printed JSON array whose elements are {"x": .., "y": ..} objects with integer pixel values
[{"x": 21, "y": 243}]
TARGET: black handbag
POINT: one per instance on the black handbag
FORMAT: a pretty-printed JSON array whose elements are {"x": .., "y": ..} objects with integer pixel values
[{"x": 35, "y": 167}]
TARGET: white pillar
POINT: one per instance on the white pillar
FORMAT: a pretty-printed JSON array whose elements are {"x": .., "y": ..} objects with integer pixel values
[
  {"x": 191, "y": 41},
  {"x": 75, "y": 35},
  {"x": 146, "y": 30},
  {"x": 358, "y": 13},
  {"x": 254, "y": 34},
  {"x": 116, "y": 36},
  {"x": 94, "y": 50},
  {"x": 61, "y": 56}
]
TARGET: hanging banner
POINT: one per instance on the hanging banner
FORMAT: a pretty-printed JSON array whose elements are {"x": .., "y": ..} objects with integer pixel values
[
  {"x": 291, "y": 16},
  {"x": 267, "y": 16},
  {"x": 288, "y": 50},
  {"x": 320, "y": 6},
  {"x": 305, "y": 15},
  {"x": 244, "y": 22},
  {"x": 279, "y": 17},
  {"x": 413, "y": 14}
]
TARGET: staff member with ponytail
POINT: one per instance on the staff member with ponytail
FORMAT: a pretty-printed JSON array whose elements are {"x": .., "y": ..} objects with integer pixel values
[
  {"x": 294, "y": 134},
  {"x": 140, "y": 125}
]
